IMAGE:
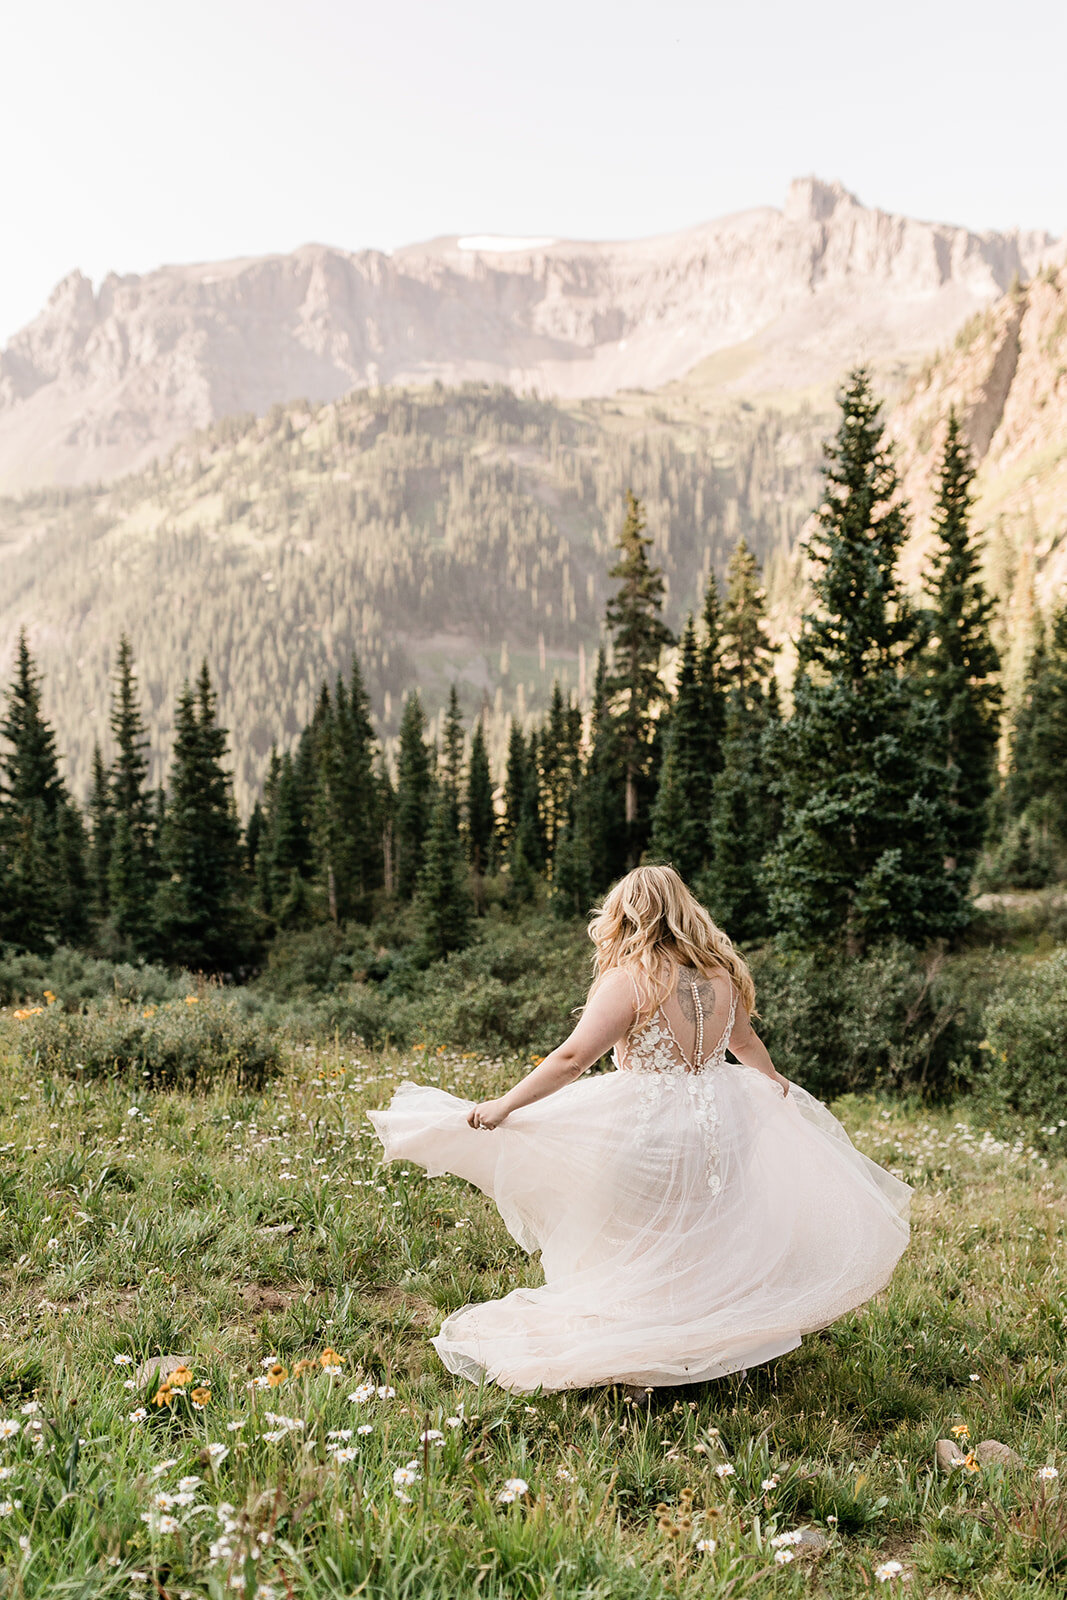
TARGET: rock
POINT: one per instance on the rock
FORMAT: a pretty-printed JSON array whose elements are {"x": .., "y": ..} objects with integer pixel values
[
  {"x": 991, "y": 1453},
  {"x": 161, "y": 1367},
  {"x": 948, "y": 1454},
  {"x": 812, "y": 1541},
  {"x": 279, "y": 1230}
]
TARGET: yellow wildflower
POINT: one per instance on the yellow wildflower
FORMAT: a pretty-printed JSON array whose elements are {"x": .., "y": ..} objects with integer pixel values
[
  {"x": 303, "y": 1366},
  {"x": 164, "y": 1397},
  {"x": 29, "y": 1011},
  {"x": 180, "y": 1378},
  {"x": 971, "y": 1463},
  {"x": 149, "y": 1011},
  {"x": 961, "y": 1431},
  {"x": 200, "y": 1396},
  {"x": 50, "y": 997},
  {"x": 192, "y": 999},
  {"x": 277, "y": 1374},
  {"x": 330, "y": 1358}
]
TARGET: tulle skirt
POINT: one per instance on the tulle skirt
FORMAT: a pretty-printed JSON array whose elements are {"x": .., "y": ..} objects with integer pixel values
[{"x": 689, "y": 1225}]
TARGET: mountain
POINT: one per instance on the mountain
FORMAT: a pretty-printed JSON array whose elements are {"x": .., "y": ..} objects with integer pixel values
[{"x": 103, "y": 382}]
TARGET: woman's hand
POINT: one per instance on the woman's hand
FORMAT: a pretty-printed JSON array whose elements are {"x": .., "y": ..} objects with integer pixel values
[
  {"x": 489, "y": 1114},
  {"x": 783, "y": 1083}
]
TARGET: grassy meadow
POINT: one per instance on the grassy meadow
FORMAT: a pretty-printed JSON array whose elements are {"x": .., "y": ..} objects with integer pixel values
[{"x": 311, "y": 1445}]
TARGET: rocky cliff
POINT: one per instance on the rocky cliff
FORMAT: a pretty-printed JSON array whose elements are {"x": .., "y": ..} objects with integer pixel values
[{"x": 103, "y": 381}]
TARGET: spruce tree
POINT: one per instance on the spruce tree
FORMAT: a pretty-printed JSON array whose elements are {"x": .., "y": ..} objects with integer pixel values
[
  {"x": 1037, "y": 786},
  {"x": 452, "y": 754},
  {"x": 681, "y": 816},
  {"x": 635, "y": 686},
  {"x": 131, "y": 879},
  {"x": 601, "y": 792},
  {"x": 558, "y": 760},
  {"x": 863, "y": 847},
  {"x": 963, "y": 662},
  {"x": 514, "y": 785},
  {"x": 43, "y": 881},
  {"x": 102, "y": 829},
  {"x": 709, "y": 676},
  {"x": 288, "y": 857},
  {"x": 443, "y": 899},
  {"x": 744, "y": 813},
  {"x": 481, "y": 815},
  {"x": 414, "y": 796},
  {"x": 198, "y": 912}
]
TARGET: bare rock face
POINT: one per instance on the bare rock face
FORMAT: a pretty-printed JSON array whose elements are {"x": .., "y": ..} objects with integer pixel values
[{"x": 100, "y": 383}]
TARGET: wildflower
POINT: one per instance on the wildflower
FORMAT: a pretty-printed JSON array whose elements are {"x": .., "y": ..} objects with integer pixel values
[
  {"x": 123, "y": 1361},
  {"x": 238, "y": 1422},
  {"x": 217, "y": 1452},
  {"x": 9, "y": 1507},
  {"x": 169, "y": 1525},
  {"x": 345, "y": 1453},
  {"x": 781, "y": 1540},
  {"x": 53, "y": 1244},
  {"x": 961, "y": 1431},
  {"x": 770, "y": 1483},
  {"x": 50, "y": 997},
  {"x": 706, "y": 1547},
  {"x": 180, "y": 1378},
  {"x": 512, "y": 1490},
  {"x": 185, "y": 1484},
  {"x": 563, "y": 1475},
  {"x": 277, "y": 1374},
  {"x": 24, "y": 1543},
  {"x": 164, "y": 1397},
  {"x": 365, "y": 1427},
  {"x": 329, "y": 1358},
  {"x": 724, "y": 1470},
  {"x": 362, "y": 1392},
  {"x": 340, "y": 1433},
  {"x": 9, "y": 1427},
  {"x": 404, "y": 1477},
  {"x": 431, "y": 1436},
  {"x": 138, "y": 1415},
  {"x": 783, "y": 1557},
  {"x": 453, "y": 1422},
  {"x": 192, "y": 1000},
  {"x": 888, "y": 1571},
  {"x": 267, "y": 1362},
  {"x": 302, "y": 1366},
  {"x": 1048, "y": 1474},
  {"x": 976, "y": 1377},
  {"x": 5, "y": 1473},
  {"x": 200, "y": 1397},
  {"x": 385, "y": 1391},
  {"x": 162, "y": 1501},
  {"x": 164, "y": 1466},
  {"x": 831, "y": 1521},
  {"x": 31, "y": 1408},
  {"x": 971, "y": 1462}
]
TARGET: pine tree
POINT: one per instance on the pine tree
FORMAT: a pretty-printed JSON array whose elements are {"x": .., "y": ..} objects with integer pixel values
[
  {"x": 601, "y": 797},
  {"x": 710, "y": 678},
  {"x": 198, "y": 912},
  {"x": 1037, "y": 788},
  {"x": 131, "y": 879},
  {"x": 682, "y": 813},
  {"x": 744, "y": 813},
  {"x": 514, "y": 786},
  {"x": 572, "y": 883},
  {"x": 452, "y": 754},
  {"x": 348, "y": 829},
  {"x": 43, "y": 882},
  {"x": 102, "y": 829},
  {"x": 443, "y": 900},
  {"x": 414, "y": 796},
  {"x": 635, "y": 686},
  {"x": 862, "y": 852},
  {"x": 559, "y": 760},
  {"x": 963, "y": 663},
  {"x": 288, "y": 858},
  {"x": 481, "y": 815}
]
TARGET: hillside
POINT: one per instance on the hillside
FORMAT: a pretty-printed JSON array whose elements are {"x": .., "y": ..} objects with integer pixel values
[
  {"x": 104, "y": 381},
  {"x": 442, "y": 534}
]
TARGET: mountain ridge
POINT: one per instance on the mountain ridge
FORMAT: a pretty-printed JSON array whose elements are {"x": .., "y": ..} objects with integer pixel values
[{"x": 102, "y": 382}]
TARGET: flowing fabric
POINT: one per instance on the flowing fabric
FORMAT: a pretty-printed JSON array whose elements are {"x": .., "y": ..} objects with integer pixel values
[{"x": 692, "y": 1221}]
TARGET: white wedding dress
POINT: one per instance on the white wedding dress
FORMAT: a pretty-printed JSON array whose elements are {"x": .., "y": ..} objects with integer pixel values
[{"x": 692, "y": 1221}]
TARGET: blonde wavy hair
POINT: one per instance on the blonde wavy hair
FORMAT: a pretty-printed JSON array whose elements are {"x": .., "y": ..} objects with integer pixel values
[{"x": 652, "y": 924}]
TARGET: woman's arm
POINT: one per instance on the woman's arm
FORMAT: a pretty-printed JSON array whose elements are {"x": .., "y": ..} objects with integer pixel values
[
  {"x": 606, "y": 1018},
  {"x": 745, "y": 1043}
]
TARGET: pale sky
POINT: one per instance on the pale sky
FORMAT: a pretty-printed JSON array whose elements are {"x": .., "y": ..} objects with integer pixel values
[{"x": 136, "y": 132}]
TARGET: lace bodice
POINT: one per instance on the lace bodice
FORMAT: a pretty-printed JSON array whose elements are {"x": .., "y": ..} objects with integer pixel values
[{"x": 655, "y": 1047}]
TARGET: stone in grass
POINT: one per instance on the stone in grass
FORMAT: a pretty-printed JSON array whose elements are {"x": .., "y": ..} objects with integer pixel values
[
  {"x": 811, "y": 1542},
  {"x": 991, "y": 1453},
  {"x": 161, "y": 1367},
  {"x": 948, "y": 1455}
]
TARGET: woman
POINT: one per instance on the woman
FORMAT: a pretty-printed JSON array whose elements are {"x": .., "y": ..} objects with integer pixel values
[{"x": 695, "y": 1215}]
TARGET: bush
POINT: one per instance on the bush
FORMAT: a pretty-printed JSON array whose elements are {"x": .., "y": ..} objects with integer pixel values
[
  {"x": 75, "y": 977},
  {"x": 1024, "y": 1053},
  {"x": 890, "y": 1020},
  {"x": 189, "y": 1044}
]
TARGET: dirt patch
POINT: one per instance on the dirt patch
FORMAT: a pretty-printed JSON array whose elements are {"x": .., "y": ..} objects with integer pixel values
[{"x": 272, "y": 1296}]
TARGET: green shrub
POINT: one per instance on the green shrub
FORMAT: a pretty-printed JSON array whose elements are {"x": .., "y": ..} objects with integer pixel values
[
  {"x": 190, "y": 1043},
  {"x": 891, "y": 1020},
  {"x": 75, "y": 977},
  {"x": 1024, "y": 1053}
]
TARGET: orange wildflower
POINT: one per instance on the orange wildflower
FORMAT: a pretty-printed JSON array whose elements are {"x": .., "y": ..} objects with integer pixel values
[
  {"x": 180, "y": 1378},
  {"x": 277, "y": 1374},
  {"x": 330, "y": 1358},
  {"x": 200, "y": 1396}
]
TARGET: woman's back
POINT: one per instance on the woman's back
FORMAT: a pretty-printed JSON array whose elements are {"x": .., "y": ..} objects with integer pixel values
[{"x": 688, "y": 1031}]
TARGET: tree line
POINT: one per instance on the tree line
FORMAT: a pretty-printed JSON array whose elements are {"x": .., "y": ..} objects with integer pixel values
[{"x": 859, "y": 812}]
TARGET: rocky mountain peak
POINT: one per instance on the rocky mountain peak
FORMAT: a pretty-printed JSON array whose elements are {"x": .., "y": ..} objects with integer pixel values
[{"x": 813, "y": 200}]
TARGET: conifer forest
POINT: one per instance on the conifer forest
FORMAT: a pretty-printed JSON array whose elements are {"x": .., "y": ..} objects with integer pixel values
[{"x": 858, "y": 797}]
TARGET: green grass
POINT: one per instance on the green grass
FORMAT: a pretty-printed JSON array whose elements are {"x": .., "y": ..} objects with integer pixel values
[{"x": 235, "y": 1227}]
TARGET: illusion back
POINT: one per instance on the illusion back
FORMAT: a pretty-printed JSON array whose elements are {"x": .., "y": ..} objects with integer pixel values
[{"x": 688, "y": 1032}]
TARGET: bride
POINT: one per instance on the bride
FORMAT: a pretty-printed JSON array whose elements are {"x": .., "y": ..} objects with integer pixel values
[{"x": 695, "y": 1214}]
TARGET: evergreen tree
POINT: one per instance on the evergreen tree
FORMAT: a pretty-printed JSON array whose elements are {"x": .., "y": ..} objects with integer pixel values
[
  {"x": 414, "y": 796},
  {"x": 1037, "y": 786},
  {"x": 443, "y": 899},
  {"x": 710, "y": 678},
  {"x": 744, "y": 812},
  {"x": 862, "y": 852},
  {"x": 198, "y": 913},
  {"x": 559, "y": 761},
  {"x": 132, "y": 878},
  {"x": 514, "y": 785},
  {"x": 572, "y": 882},
  {"x": 481, "y": 815},
  {"x": 452, "y": 754},
  {"x": 43, "y": 882},
  {"x": 635, "y": 686},
  {"x": 102, "y": 829},
  {"x": 963, "y": 662},
  {"x": 681, "y": 817},
  {"x": 288, "y": 857},
  {"x": 601, "y": 799}
]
